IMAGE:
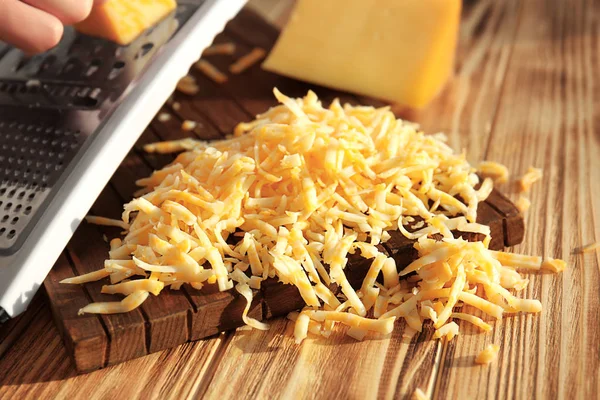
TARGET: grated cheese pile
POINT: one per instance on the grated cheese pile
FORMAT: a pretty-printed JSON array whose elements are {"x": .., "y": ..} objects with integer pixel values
[{"x": 299, "y": 189}]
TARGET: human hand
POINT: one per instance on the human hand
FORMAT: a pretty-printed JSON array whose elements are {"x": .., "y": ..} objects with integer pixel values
[{"x": 35, "y": 26}]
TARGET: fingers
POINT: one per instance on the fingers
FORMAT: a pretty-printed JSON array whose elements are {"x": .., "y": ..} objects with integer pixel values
[
  {"x": 27, "y": 27},
  {"x": 68, "y": 12}
]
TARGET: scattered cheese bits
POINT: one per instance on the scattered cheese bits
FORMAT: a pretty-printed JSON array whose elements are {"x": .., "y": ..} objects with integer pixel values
[
  {"x": 496, "y": 171},
  {"x": 170, "y": 147},
  {"x": 554, "y": 265},
  {"x": 188, "y": 126},
  {"x": 210, "y": 71},
  {"x": 295, "y": 192},
  {"x": 523, "y": 204},
  {"x": 488, "y": 355},
  {"x": 164, "y": 117},
  {"x": 419, "y": 395},
  {"x": 188, "y": 85},
  {"x": 221, "y": 48},
  {"x": 590, "y": 248},
  {"x": 106, "y": 222},
  {"x": 176, "y": 106},
  {"x": 531, "y": 176},
  {"x": 247, "y": 61}
]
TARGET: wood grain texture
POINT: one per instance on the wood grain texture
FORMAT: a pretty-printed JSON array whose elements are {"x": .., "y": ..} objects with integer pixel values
[
  {"x": 38, "y": 367},
  {"x": 527, "y": 79},
  {"x": 547, "y": 117}
]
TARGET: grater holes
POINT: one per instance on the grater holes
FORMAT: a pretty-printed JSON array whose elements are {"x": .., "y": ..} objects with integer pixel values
[
  {"x": 27, "y": 210},
  {"x": 14, "y": 221},
  {"x": 11, "y": 234},
  {"x": 116, "y": 70},
  {"x": 87, "y": 101},
  {"x": 22, "y": 63},
  {"x": 145, "y": 49},
  {"x": 5, "y": 218},
  {"x": 2, "y": 230},
  {"x": 93, "y": 68},
  {"x": 47, "y": 63},
  {"x": 71, "y": 66}
]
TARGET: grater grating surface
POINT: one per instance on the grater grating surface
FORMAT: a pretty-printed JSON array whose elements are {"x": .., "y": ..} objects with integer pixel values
[{"x": 51, "y": 107}]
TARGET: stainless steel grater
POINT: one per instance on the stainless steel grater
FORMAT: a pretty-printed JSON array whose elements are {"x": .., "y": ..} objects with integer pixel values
[{"x": 68, "y": 117}]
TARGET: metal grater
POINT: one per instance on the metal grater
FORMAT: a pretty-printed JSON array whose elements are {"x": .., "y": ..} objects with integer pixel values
[{"x": 67, "y": 119}]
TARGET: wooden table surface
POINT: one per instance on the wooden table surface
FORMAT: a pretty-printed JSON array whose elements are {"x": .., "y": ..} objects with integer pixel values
[{"x": 526, "y": 93}]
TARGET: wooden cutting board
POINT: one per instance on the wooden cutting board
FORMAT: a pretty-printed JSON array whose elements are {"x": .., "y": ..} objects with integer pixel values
[{"x": 175, "y": 317}]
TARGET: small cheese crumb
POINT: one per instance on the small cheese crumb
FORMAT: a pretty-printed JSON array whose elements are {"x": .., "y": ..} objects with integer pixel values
[
  {"x": 496, "y": 171},
  {"x": 221, "y": 48},
  {"x": 164, "y": 117},
  {"x": 188, "y": 125},
  {"x": 554, "y": 265},
  {"x": 33, "y": 83},
  {"x": 176, "y": 106},
  {"x": 188, "y": 85},
  {"x": 488, "y": 355},
  {"x": 247, "y": 61},
  {"x": 210, "y": 71},
  {"x": 523, "y": 204},
  {"x": 531, "y": 176},
  {"x": 420, "y": 395},
  {"x": 590, "y": 247},
  {"x": 171, "y": 146}
]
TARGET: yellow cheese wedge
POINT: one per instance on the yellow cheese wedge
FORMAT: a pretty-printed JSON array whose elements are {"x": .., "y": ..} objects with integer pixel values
[
  {"x": 122, "y": 21},
  {"x": 401, "y": 51}
]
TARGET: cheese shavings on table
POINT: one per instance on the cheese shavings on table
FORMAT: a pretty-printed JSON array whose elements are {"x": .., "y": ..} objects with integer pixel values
[
  {"x": 296, "y": 191},
  {"x": 488, "y": 355}
]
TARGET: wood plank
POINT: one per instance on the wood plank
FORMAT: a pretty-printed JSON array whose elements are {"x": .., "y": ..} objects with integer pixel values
[
  {"x": 216, "y": 311},
  {"x": 88, "y": 250},
  {"x": 166, "y": 315},
  {"x": 37, "y": 366},
  {"x": 547, "y": 118},
  {"x": 84, "y": 336}
]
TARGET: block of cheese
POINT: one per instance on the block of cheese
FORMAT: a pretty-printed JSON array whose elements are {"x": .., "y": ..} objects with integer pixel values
[
  {"x": 398, "y": 50},
  {"x": 122, "y": 21}
]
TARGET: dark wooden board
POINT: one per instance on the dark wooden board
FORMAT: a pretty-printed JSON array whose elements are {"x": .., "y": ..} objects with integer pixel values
[{"x": 175, "y": 317}]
